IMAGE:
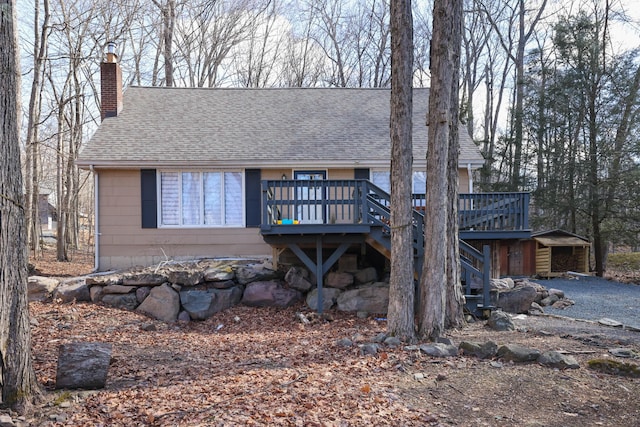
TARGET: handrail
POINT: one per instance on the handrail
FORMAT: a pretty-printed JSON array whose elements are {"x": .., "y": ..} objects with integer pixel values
[
  {"x": 476, "y": 271},
  {"x": 345, "y": 201}
]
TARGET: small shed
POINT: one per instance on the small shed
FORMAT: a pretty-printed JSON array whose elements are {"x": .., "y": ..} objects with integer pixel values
[{"x": 558, "y": 251}]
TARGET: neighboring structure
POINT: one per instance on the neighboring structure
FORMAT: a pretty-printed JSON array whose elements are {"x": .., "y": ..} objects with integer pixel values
[
  {"x": 547, "y": 254},
  {"x": 191, "y": 172}
]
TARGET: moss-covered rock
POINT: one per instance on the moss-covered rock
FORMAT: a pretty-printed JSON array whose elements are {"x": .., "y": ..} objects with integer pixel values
[{"x": 614, "y": 367}]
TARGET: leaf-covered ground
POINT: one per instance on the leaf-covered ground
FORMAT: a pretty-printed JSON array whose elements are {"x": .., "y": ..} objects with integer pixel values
[
  {"x": 249, "y": 366},
  {"x": 260, "y": 366}
]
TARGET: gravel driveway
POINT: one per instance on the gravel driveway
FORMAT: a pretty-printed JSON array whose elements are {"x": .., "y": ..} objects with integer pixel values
[{"x": 596, "y": 298}]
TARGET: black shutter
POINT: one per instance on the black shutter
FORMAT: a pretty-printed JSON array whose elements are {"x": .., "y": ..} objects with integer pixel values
[
  {"x": 362, "y": 173},
  {"x": 252, "y": 192},
  {"x": 149, "y": 198}
]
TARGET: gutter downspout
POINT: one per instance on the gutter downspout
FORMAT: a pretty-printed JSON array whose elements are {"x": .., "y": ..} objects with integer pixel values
[
  {"x": 96, "y": 216},
  {"x": 470, "y": 177}
]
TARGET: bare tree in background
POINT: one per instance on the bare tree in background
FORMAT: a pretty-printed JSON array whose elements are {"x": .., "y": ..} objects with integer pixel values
[
  {"x": 168, "y": 10},
  {"x": 401, "y": 288},
  {"x": 18, "y": 383},
  {"x": 32, "y": 143},
  {"x": 515, "y": 13}
]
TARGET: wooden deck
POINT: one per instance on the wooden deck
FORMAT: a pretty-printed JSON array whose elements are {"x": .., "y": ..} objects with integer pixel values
[{"x": 335, "y": 214}]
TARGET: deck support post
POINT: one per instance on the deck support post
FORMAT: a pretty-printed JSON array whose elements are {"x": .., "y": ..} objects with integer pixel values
[
  {"x": 319, "y": 274},
  {"x": 486, "y": 273},
  {"x": 318, "y": 267}
]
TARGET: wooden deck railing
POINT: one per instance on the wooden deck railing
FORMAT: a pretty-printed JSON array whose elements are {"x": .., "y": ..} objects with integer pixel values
[{"x": 291, "y": 202}]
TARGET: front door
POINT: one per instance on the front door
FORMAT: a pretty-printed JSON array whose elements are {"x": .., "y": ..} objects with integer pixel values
[{"x": 310, "y": 195}]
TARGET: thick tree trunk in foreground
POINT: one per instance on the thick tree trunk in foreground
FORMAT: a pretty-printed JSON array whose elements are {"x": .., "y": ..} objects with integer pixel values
[
  {"x": 433, "y": 286},
  {"x": 401, "y": 290},
  {"x": 17, "y": 377},
  {"x": 454, "y": 313}
]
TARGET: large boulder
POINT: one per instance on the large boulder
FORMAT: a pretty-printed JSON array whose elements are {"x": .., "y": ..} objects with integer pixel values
[
  {"x": 366, "y": 275},
  {"x": 371, "y": 299},
  {"x": 558, "y": 360},
  {"x": 501, "y": 321},
  {"x": 40, "y": 288},
  {"x": 339, "y": 280},
  {"x": 118, "y": 289},
  {"x": 142, "y": 293},
  {"x": 219, "y": 274},
  {"x": 75, "y": 289},
  {"x": 96, "y": 293},
  {"x": 254, "y": 273},
  {"x": 144, "y": 278},
  {"x": 517, "y": 300},
  {"x": 439, "y": 349},
  {"x": 297, "y": 278},
  {"x": 269, "y": 294},
  {"x": 83, "y": 365},
  {"x": 163, "y": 303},
  {"x": 204, "y": 303},
  {"x": 518, "y": 353},
  {"x": 104, "y": 279},
  {"x": 329, "y": 298},
  {"x": 506, "y": 283},
  {"x": 186, "y": 277},
  {"x": 122, "y": 301},
  {"x": 480, "y": 350}
]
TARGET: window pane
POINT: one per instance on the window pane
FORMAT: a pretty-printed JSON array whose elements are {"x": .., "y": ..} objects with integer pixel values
[
  {"x": 170, "y": 198},
  {"x": 233, "y": 198},
  {"x": 212, "y": 198},
  {"x": 191, "y": 198},
  {"x": 419, "y": 182},
  {"x": 382, "y": 179}
]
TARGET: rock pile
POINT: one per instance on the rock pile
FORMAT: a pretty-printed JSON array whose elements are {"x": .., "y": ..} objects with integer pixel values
[
  {"x": 196, "y": 290},
  {"x": 445, "y": 348},
  {"x": 525, "y": 296}
]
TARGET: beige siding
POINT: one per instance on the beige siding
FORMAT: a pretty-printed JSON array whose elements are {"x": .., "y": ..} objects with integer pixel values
[
  {"x": 463, "y": 180},
  {"x": 124, "y": 243}
]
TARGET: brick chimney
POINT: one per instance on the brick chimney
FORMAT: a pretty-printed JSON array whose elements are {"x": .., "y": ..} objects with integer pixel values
[{"x": 110, "y": 84}]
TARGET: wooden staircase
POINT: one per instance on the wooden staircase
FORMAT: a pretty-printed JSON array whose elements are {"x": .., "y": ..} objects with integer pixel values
[{"x": 475, "y": 268}]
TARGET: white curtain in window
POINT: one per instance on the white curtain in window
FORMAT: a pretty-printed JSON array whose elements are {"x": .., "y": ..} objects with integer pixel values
[
  {"x": 233, "y": 198},
  {"x": 191, "y": 198},
  {"x": 170, "y": 198},
  {"x": 212, "y": 198}
]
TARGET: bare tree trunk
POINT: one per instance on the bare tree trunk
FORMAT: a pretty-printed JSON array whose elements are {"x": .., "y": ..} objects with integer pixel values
[
  {"x": 168, "y": 11},
  {"x": 433, "y": 286},
  {"x": 17, "y": 376},
  {"x": 32, "y": 157},
  {"x": 61, "y": 244},
  {"x": 454, "y": 315},
  {"x": 401, "y": 290}
]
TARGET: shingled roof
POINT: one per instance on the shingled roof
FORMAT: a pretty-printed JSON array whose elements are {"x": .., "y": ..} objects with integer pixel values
[{"x": 305, "y": 127}]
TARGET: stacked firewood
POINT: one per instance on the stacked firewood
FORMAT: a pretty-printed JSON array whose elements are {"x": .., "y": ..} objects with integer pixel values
[{"x": 564, "y": 262}]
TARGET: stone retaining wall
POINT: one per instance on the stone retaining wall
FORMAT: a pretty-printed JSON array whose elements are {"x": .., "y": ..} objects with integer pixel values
[{"x": 196, "y": 290}]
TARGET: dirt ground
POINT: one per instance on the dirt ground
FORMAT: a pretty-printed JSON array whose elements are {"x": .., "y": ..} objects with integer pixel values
[{"x": 249, "y": 366}]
